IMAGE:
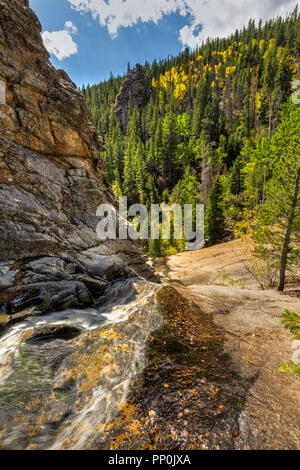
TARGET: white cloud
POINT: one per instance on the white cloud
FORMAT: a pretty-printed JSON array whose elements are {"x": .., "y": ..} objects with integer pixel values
[
  {"x": 223, "y": 17},
  {"x": 117, "y": 13},
  {"x": 60, "y": 43},
  {"x": 69, "y": 26},
  {"x": 188, "y": 36},
  {"x": 218, "y": 17}
]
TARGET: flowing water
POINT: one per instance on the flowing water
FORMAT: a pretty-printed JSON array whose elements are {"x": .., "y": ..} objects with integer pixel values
[
  {"x": 65, "y": 375},
  {"x": 144, "y": 370}
]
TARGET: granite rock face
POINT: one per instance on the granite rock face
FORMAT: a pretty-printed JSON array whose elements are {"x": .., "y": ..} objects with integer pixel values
[
  {"x": 51, "y": 180},
  {"x": 132, "y": 92},
  {"x": 45, "y": 209}
]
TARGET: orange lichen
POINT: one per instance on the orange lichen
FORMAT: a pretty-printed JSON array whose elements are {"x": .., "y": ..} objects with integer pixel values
[{"x": 90, "y": 367}]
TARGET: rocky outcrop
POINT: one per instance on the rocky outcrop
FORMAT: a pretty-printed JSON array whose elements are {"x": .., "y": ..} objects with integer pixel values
[
  {"x": 43, "y": 110},
  {"x": 51, "y": 181},
  {"x": 45, "y": 209},
  {"x": 73, "y": 279},
  {"x": 132, "y": 93}
]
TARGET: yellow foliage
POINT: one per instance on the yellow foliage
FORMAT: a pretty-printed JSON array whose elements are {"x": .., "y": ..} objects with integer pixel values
[
  {"x": 180, "y": 91},
  {"x": 154, "y": 83},
  {"x": 271, "y": 49},
  {"x": 230, "y": 70},
  {"x": 174, "y": 81},
  {"x": 217, "y": 70},
  {"x": 258, "y": 100},
  {"x": 224, "y": 55},
  {"x": 261, "y": 45}
]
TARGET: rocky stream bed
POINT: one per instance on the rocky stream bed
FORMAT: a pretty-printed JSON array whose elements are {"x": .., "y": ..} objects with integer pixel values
[
  {"x": 145, "y": 370},
  {"x": 94, "y": 353}
]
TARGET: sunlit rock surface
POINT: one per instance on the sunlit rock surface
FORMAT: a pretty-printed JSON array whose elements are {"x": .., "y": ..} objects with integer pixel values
[
  {"x": 92, "y": 357},
  {"x": 51, "y": 182},
  {"x": 44, "y": 111}
]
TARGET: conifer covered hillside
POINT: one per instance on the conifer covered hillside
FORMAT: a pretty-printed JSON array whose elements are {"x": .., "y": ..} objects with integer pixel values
[{"x": 204, "y": 124}]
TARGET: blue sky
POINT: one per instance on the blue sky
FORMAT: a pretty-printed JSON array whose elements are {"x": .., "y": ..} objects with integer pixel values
[{"x": 91, "y": 38}]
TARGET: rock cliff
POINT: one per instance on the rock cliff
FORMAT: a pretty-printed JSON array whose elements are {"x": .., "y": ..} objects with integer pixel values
[
  {"x": 44, "y": 112},
  {"x": 51, "y": 180},
  {"x": 131, "y": 93}
]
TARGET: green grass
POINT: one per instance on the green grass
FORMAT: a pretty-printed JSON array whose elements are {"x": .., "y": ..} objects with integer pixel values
[
  {"x": 224, "y": 279},
  {"x": 290, "y": 368},
  {"x": 291, "y": 321}
]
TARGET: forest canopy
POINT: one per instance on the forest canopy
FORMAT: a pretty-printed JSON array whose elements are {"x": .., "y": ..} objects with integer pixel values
[{"x": 206, "y": 129}]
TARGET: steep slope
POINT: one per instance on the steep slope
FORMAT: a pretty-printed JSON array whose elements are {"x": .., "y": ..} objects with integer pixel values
[
  {"x": 44, "y": 112},
  {"x": 188, "y": 132}
]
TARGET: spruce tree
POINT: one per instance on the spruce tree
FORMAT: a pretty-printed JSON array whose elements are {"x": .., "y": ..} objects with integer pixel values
[
  {"x": 214, "y": 219},
  {"x": 237, "y": 178}
]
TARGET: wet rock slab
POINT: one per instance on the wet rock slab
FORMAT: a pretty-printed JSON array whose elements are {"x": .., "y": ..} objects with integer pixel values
[
  {"x": 73, "y": 280},
  {"x": 190, "y": 396},
  {"x": 163, "y": 375},
  {"x": 62, "y": 383},
  {"x": 47, "y": 284}
]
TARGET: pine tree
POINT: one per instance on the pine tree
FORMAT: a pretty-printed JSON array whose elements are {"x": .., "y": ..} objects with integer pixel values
[
  {"x": 269, "y": 79},
  {"x": 201, "y": 100},
  {"x": 277, "y": 232},
  {"x": 215, "y": 220},
  {"x": 212, "y": 111},
  {"x": 129, "y": 180},
  {"x": 169, "y": 144},
  {"x": 155, "y": 248},
  {"x": 153, "y": 195},
  {"x": 237, "y": 178}
]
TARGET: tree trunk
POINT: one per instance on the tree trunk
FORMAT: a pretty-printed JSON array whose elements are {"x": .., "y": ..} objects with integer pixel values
[
  {"x": 265, "y": 182},
  {"x": 270, "y": 119},
  {"x": 287, "y": 238}
]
